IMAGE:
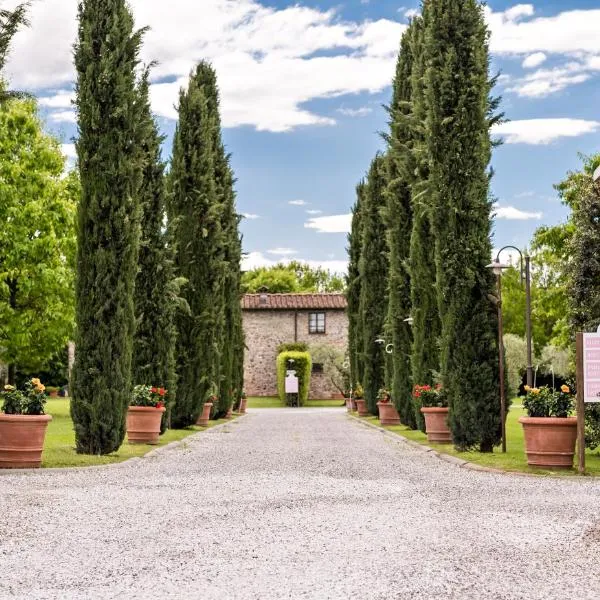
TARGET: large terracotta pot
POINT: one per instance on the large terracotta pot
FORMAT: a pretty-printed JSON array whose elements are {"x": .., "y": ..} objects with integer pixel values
[
  {"x": 204, "y": 418},
  {"x": 229, "y": 413},
  {"x": 22, "y": 440},
  {"x": 243, "y": 405},
  {"x": 550, "y": 441},
  {"x": 349, "y": 405},
  {"x": 388, "y": 415},
  {"x": 436, "y": 424},
  {"x": 361, "y": 406},
  {"x": 143, "y": 424},
  {"x": 354, "y": 407},
  {"x": 53, "y": 394}
]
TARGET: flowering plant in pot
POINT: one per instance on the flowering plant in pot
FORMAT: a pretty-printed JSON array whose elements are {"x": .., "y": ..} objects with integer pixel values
[
  {"x": 52, "y": 391},
  {"x": 434, "y": 407},
  {"x": 211, "y": 400},
  {"x": 388, "y": 415},
  {"x": 550, "y": 432},
  {"x": 359, "y": 400},
  {"x": 144, "y": 416},
  {"x": 23, "y": 425}
]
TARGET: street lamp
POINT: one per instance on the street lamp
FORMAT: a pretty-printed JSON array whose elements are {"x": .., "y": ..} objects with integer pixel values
[
  {"x": 497, "y": 267},
  {"x": 596, "y": 175}
]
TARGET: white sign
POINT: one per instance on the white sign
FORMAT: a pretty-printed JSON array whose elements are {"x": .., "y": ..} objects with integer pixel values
[
  {"x": 591, "y": 367},
  {"x": 291, "y": 384}
]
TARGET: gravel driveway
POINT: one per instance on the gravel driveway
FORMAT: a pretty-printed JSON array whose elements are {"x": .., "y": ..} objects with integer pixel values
[{"x": 288, "y": 503}]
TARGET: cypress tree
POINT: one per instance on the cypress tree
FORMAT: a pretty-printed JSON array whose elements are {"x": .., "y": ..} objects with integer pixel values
[
  {"x": 426, "y": 328},
  {"x": 195, "y": 211},
  {"x": 374, "y": 275},
  {"x": 106, "y": 56},
  {"x": 398, "y": 219},
  {"x": 353, "y": 293},
  {"x": 459, "y": 107},
  {"x": 156, "y": 288}
]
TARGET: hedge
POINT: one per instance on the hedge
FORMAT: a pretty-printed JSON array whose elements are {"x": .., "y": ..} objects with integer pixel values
[
  {"x": 292, "y": 347},
  {"x": 303, "y": 368}
]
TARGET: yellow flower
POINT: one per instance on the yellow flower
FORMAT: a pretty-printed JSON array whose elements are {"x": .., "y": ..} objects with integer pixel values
[
  {"x": 535, "y": 391},
  {"x": 9, "y": 388},
  {"x": 565, "y": 389},
  {"x": 527, "y": 388},
  {"x": 35, "y": 381},
  {"x": 40, "y": 388}
]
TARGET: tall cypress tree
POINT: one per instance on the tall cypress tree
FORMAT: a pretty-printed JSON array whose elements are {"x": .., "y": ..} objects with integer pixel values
[
  {"x": 457, "y": 93},
  {"x": 426, "y": 329},
  {"x": 106, "y": 56},
  {"x": 195, "y": 210},
  {"x": 374, "y": 276},
  {"x": 398, "y": 218},
  {"x": 355, "y": 343},
  {"x": 156, "y": 288}
]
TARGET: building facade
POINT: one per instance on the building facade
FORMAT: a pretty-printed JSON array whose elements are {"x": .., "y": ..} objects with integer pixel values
[{"x": 274, "y": 319}]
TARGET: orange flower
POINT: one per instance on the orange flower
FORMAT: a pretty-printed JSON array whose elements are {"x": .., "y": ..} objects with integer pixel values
[{"x": 565, "y": 389}]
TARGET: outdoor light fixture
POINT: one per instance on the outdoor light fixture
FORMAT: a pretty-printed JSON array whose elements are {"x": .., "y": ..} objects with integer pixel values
[
  {"x": 409, "y": 320},
  {"x": 497, "y": 267},
  {"x": 596, "y": 175},
  {"x": 380, "y": 341}
]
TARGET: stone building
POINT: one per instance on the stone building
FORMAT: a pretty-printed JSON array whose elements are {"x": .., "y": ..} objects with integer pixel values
[{"x": 274, "y": 319}]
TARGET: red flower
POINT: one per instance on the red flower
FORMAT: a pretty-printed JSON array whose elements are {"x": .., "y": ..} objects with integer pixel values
[
  {"x": 162, "y": 391},
  {"x": 160, "y": 405},
  {"x": 154, "y": 390}
]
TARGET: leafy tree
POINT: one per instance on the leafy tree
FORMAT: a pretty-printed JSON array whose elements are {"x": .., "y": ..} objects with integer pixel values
[
  {"x": 374, "y": 270},
  {"x": 195, "y": 210},
  {"x": 37, "y": 241},
  {"x": 334, "y": 364},
  {"x": 292, "y": 277},
  {"x": 515, "y": 348},
  {"x": 110, "y": 161},
  {"x": 459, "y": 118},
  {"x": 353, "y": 289},
  {"x": 398, "y": 219}
]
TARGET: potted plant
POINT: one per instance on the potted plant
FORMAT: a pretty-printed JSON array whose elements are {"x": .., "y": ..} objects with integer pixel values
[
  {"x": 388, "y": 415},
  {"x": 23, "y": 426},
  {"x": 52, "y": 391},
  {"x": 243, "y": 403},
  {"x": 550, "y": 433},
  {"x": 204, "y": 418},
  {"x": 145, "y": 413},
  {"x": 359, "y": 399},
  {"x": 434, "y": 406}
]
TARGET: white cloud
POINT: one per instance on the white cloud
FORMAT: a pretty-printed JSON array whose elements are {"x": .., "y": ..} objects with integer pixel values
[
  {"x": 330, "y": 224},
  {"x": 544, "y": 82},
  {"x": 63, "y": 116},
  {"x": 363, "y": 111},
  {"x": 314, "y": 212},
  {"x": 411, "y": 13},
  {"x": 297, "y": 202},
  {"x": 61, "y": 99},
  {"x": 544, "y": 131},
  {"x": 250, "y": 216},
  {"x": 69, "y": 151},
  {"x": 253, "y": 260},
  {"x": 282, "y": 251},
  {"x": 534, "y": 60},
  {"x": 514, "y": 214}
]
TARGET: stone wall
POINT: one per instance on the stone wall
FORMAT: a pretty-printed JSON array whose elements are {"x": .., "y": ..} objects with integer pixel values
[{"x": 266, "y": 329}]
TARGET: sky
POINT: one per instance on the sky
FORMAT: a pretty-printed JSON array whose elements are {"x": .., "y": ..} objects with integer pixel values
[{"x": 304, "y": 84}]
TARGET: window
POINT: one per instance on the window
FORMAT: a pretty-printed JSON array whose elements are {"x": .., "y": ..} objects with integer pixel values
[
  {"x": 317, "y": 368},
  {"x": 316, "y": 322}
]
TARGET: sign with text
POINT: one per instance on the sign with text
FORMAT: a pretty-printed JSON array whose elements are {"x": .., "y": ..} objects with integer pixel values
[
  {"x": 291, "y": 384},
  {"x": 591, "y": 367}
]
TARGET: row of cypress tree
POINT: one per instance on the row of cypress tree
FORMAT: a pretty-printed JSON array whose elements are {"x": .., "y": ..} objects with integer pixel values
[
  {"x": 158, "y": 264},
  {"x": 420, "y": 239}
]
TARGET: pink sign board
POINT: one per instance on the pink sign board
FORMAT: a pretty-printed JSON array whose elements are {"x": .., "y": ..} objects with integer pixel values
[{"x": 591, "y": 367}]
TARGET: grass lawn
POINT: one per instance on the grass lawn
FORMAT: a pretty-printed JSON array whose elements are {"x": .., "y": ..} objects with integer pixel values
[
  {"x": 254, "y": 402},
  {"x": 513, "y": 460},
  {"x": 59, "y": 447}
]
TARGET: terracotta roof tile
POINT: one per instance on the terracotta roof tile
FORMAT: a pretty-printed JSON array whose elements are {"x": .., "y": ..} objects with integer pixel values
[{"x": 294, "y": 301}]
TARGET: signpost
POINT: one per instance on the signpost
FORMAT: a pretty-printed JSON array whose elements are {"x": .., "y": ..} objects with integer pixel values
[
  {"x": 588, "y": 384},
  {"x": 291, "y": 384}
]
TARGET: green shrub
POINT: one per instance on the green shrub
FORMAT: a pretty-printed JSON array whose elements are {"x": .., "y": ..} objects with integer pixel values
[
  {"x": 546, "y": 402},
  {"x": 303, "y": 368},
  {"x": 292, "y": 347},
  {"x": 30, "y": 401}
]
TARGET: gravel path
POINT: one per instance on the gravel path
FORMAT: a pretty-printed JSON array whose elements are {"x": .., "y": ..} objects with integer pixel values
[{"x": 297, "y": 504}]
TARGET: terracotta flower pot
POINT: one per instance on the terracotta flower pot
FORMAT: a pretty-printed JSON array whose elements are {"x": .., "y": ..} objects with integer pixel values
[
  {"x": 354, "y": 407},
  {"x": 550, "y": 441},
  {"x": 143, "y": 424},
  {"x": 204, "y": 418},
  {"x": 53, "y": 394},
  {"x": 388, "y": 415},
  {"x": 243, "y": 405},
  {"x": 349, "y": 405},
  {"x": 22, "y": 440},
  {"x": 229, "y": 414},
  {"x": 436, "y": 424},
  {"x": 361, "y": 406}
]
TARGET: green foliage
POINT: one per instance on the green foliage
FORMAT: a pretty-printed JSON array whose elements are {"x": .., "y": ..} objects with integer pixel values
[
  {"x": 430, "y": 396},
  {"x": 557, "y": 360},
  {"x": 10, "y": 22},
  {"x": 335, "y": 367},
  {"x": 373, "y": 275},
  {"x": 29, "y": 401},
  {"x": 146, "y": 395},
  {"x": 515, "y": 352},
  {"x": 110, "y": 164},
  {"x": 292, "y": 277},
  {"x": 37, "y": 241},
  {"x": 302, "y": 364},
  {"x": 459, "y": 113},
  {"x": 546, "y": 402},
  {"x": 292, "y": 347}
]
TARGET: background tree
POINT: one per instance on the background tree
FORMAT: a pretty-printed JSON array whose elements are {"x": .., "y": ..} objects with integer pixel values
[
  {"x": 398, "y": 219},
  {"x": 195, "y": 210},
  {"x": 109, "y": 158},
  {"x": 292, "y": 277},
  {"x": 374, "y": 270},
  {"x": 459, "y": 118},
  {"x": 37, "y": 241},
  {"x": 10, "y": 22},
  {"x": 353, "y": 289}
]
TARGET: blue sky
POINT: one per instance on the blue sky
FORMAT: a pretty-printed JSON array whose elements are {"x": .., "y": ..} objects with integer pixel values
[{"x": 303, "y": 84}]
